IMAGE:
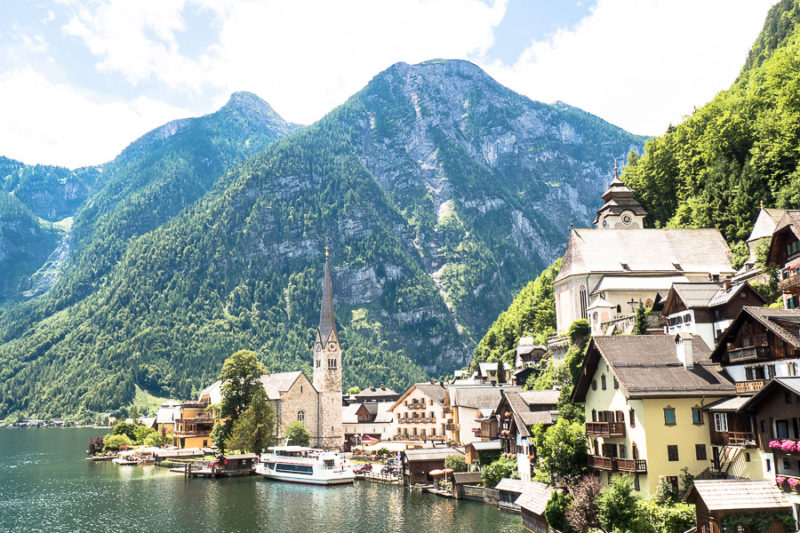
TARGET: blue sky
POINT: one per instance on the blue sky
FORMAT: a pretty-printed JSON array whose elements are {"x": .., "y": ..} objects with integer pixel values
[{"x": 79, "y": 80}]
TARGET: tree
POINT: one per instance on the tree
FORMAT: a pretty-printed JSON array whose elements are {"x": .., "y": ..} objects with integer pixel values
[
  {"x": 297, "y": 434},
  {"x": 502, "y": 468},
  {"x": 255, "y": 429},
  {"x": 125, "y": 428},
  {"x": 95, "y": 445},
  {"x": 616, "y": 505},
  {"x": 561, "y": 450},
  {"x": 455, "y": 462},
  {"x": 582, "y": 513},
  {"x": 115, "y": 442},
  {"x": 240, "y": 376},
  {"x": 640, "y": 328},
  {"x": 556, "y": 511},
  {"x": 141, "y": 433}
]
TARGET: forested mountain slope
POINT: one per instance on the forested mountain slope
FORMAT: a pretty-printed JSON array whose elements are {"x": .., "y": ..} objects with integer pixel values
[
  {"x": 440, "y": 192},
  {"x": 743, "y": 147}
]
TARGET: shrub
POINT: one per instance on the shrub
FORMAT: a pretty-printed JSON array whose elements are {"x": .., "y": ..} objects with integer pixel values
[
  {"x": 556, "y": 511},
  {"x": 655, "y": 517},
  {"x": 616, "y": 505},
  {"x": 456, "y": 462},
  {"x": 115, "y": 442},
  {"x": 502, "y": 468}
]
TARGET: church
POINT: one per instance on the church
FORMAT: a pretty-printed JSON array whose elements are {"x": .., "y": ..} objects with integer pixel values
[
  {"x": 318, "y": 403},
  {"x": 608, "y": 269}
]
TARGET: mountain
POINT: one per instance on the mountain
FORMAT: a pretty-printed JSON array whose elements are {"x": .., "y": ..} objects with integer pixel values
[
  {"x": 440, "y": 192},
  {"x": 738, "y": 150}
]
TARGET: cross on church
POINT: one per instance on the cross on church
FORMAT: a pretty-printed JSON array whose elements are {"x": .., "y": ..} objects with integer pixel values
[
  {"x": 326, "y": 250},
  {"x": 633, "y": 305}
]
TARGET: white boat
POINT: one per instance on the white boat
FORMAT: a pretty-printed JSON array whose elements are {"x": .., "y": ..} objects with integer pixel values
[
  {"x": 124, "y": 461},
  {"x": 299, "y": 464}
]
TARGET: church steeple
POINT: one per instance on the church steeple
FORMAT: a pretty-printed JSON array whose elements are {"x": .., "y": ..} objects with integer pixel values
[
  {"x": 620, "y": 210},
  {"x": 327, "y": 322}
]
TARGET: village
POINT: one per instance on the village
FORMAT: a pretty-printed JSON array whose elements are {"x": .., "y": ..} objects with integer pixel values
[{"x": 704, "y": 400}]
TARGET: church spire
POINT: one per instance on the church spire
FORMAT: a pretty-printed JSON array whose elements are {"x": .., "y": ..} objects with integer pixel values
[{"x": 327, "y": 322}]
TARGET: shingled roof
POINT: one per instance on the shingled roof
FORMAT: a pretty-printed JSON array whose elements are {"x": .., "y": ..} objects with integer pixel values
[
  {"x": 534, "y": 497},
  {"x": 433, "y": 391},
  {"x": 478, "y": 396},
  {"x": 531, "y": 407},
  {"x": 737, "y": 494},
  {"x": 701, "y": 295},
  {"x": 778, "y": 321},
  {"x": 662, "y": 251},
  {"x": 646, "y": 366}
]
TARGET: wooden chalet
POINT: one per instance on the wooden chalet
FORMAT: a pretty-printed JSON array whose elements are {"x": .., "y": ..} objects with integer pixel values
[
  {"x": 784, "y": 253},
  {"x": 517, "y": 412},
  {"x": 760, "y": 344},
  {"x": 532, "y": 503},
  {"x": 417, "y": 464},
  {"x": 720, "y": 499}
]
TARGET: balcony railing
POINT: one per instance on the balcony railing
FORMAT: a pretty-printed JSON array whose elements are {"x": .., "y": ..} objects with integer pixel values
[
  {"x": 605, "y": 429},
  {"x": 790, "y": 285},
  {"x": 601, "y": 463},
  {"x": 636, "y": 466},
  {"x": 739, "y": 438},
  {"x": 452, "y": 427},
  {"x": 738, "y": 355},
  {"x": 750, "y": 387}
]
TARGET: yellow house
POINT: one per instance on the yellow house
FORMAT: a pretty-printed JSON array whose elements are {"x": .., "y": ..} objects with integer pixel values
[
  {"x": 645, "y": 397},
  {"x": 193, "y": 428}
]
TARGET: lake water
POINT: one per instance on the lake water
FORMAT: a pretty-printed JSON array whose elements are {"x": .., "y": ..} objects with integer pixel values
[{"x": 46, "y": 485}]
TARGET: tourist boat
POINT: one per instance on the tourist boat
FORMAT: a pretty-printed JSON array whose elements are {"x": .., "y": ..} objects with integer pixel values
[{"x": 299, "y": 464}]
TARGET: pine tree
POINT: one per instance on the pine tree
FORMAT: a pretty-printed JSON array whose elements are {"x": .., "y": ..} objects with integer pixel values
[
  {"x": 255, "y": 429},
  {"x": 640, "y": 328}
]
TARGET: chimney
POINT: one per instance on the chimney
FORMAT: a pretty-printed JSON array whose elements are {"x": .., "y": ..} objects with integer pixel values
[
  {"x": 683, "y": 349},
  {"x": 726, "y": 284}
]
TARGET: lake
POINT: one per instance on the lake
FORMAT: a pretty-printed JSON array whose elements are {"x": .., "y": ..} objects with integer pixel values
[{"x": 46, "y": 485}]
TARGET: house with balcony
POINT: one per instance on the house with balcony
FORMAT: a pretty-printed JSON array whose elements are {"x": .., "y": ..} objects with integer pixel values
[
  {"x": 527, "y": 357},
  {"x": 707, "y": 308},
  {"x": 760, "y": 344},
  {"x": 193, "y": 426},
  {"x": 734, "y": 443},
  {"x": 775, "y": 411},
  {"x": 420, "y": 414},
  {"x": 468, "y": 406},
  {"x": 516, "y": 413},
  {"x": 644, "y": 398},
  {"x": 784, "y": 253},
  {"x": 371, "y": 419}
]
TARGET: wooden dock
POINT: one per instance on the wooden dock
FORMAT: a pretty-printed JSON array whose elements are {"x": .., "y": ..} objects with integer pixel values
[
  {"x": 194, "y": 471},
  {"x": 379, "y": 477}
]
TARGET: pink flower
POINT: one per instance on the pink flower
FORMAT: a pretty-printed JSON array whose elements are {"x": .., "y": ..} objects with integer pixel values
[
  {"x": 774, "y": 443},
  {"x": 779, "y": 480},
  {"x": 787, "y": 445},
  {"x": 793, "y": 482}
]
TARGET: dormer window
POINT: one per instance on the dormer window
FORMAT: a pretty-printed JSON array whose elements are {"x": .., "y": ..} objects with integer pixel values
[
  {"x": 677, "y": 266},
  {"x": 625, "y": 266}
]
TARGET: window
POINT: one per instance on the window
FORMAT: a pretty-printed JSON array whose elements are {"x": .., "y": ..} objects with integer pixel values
[
  {"x": 748, "y": 373},
  {"x": 319, "y": 363},
  {"x": 786, "y": 464},
  {"x": 622, "y": 451},
  {"x": 669, "y": 416},
  {"x": 616, "y": 383},
  {"x": 746, "y": 457},
  {"x": 763, "y": 426},
  {"x": 584, "y": 301},
  {"x": 700, "y": 452},
  {"x": 697, "y": 416},
  {"x": 594, "y": 415},
  {"x": 787, "y": 396},
  {"x": 770, "y": 371},
  {"x": 301, "y": 416},
  {"x": 721, "y": 422},
  {"x": 636, "y": 486},
  {"x": 769, "y": 465},
  {"x": 603, "y": 382},
  {"x": 594, "y": 384},
  {"x": 781, "y": 429},
  {"x": 791, "y": 369},
  {"x": 672, "y": 452},
  {"x": 632, "y": 416}
]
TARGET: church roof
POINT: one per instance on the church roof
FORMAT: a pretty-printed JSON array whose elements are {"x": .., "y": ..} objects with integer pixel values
[
  {"x": 327, "y": 322},
  {"x": 642, "y": 251},
  {"x": 273, "y": 385}
]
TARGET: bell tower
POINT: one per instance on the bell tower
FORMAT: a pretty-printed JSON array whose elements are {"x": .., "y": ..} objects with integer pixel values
[
  {"x": 621, "y": 210},
  {"x": 328, "y": 370}
]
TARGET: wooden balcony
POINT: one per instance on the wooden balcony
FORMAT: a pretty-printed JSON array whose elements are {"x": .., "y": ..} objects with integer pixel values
[
  {"x": 738, "y": 438},
  {"x": 601, "y": 463},
  {"x": 790, "y": 285},
  {"x": 750, "y": 353},
  {"x": 452, "y": 427},
  {"x": 636, "y": 466},
  {"x": 750, "y": 387},
  {"x": 416, "y": 405},
  {"x": 605, "y": 429}
]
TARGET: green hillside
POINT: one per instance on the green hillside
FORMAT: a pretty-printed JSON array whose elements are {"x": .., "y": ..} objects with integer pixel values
[{"x": 743, "y": 147}]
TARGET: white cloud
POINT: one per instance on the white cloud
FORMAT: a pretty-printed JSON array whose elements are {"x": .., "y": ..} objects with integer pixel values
[
  {"x": 641, "y": 64},
  {"x": 304, "y": 57},
  {"x": 45, "y": 122}
]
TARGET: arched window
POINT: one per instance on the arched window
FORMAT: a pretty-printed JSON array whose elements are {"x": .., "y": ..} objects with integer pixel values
[
  {"x": 584, "y": 301},
  {"x": 301, "y": 416}
]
